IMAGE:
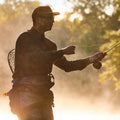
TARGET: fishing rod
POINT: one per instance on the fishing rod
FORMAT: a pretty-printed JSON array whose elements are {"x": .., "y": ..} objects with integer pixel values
[
  {"x": 98, "y": 64},
  {"x": 112, "y": 47}
]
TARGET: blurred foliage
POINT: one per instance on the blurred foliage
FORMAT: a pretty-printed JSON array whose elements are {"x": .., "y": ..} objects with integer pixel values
[
  {"x": 98, "y": 30},
  {"x": 13, "y": 11},
  {"x": 91, "y": 29},
  {"x": 112, "y": 62}
]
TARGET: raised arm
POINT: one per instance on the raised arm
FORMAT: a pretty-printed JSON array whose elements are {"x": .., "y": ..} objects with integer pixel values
[
  {"x": 80, "y": 64},
  {"x": 69, "y": 66}
]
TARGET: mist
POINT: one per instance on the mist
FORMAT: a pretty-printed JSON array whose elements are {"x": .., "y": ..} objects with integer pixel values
[{"x": 77, "y": 93}]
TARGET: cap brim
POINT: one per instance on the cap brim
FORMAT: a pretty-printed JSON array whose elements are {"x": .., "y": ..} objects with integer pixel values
[{"x": 56, "y": 13}]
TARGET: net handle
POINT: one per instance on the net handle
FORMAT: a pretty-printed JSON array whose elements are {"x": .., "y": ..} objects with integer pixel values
[{"x": 8, "y": 58}]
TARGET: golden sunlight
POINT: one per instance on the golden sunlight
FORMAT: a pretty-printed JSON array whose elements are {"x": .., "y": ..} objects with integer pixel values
[
  {"x": 5, "y": 113},
  {"x": 7, "y": 116},
  {"x": 77, "y": 115},
  {"x": 64, "y": 112},
  {"x": 68, "y": 115}
]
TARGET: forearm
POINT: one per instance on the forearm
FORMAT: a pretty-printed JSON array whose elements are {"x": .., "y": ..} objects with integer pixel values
[
  {"x": 78, "y": 64},
  {"x": 68, "y": 66}
]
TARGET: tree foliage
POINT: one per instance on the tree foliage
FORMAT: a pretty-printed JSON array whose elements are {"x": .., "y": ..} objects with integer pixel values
[
  {"x": 93, "y": 25},
  {"x": 112, "y": 62},
  {"x": 16, "y": 10},
  {"x": 98, "y": 30}
]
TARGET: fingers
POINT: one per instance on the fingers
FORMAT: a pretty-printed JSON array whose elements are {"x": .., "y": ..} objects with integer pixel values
[
  {"x": 97, "y": 57},
  {"x": 69, "y": 50},
  {"x": 72, "y": 49},
  {"x": 105, "y": 54}
]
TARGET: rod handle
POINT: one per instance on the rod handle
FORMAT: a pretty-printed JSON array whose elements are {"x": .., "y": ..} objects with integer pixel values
[{"x": 97, "y": 64}]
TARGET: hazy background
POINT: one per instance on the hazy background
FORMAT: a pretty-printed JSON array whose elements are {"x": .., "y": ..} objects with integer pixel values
[{"x": 78, "y": 94}]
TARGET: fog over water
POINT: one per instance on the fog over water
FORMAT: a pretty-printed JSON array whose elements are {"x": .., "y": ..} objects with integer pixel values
[{"x": 78, "y": 95}]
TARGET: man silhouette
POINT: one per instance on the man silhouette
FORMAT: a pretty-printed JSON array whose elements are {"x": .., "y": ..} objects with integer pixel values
[{"x": 30, "y": 96}]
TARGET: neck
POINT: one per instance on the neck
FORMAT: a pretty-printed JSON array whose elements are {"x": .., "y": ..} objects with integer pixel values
[{"x": 38, "y": 29}]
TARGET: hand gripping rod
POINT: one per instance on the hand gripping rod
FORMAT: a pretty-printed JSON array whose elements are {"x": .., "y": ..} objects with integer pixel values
[{"x": 98, "y": 64}]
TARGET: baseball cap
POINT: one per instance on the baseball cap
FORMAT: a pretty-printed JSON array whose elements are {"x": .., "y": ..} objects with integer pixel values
[{"x": 41, "y": 10}]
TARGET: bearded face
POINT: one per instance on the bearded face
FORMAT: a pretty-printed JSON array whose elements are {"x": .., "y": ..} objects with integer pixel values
[{"x": 44, "y": 22}]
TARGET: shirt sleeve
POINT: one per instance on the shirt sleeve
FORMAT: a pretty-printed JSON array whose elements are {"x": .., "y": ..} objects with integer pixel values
[
  {"x": 69, "y": 66},
  {"x": 50, "y": 56}
]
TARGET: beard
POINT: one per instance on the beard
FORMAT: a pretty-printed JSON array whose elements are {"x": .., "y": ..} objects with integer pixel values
[{"x": 46, "y": 27}]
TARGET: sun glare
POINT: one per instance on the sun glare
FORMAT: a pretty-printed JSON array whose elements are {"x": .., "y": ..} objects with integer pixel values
[
  {"x": 109, "y": 10},
  {"x": 77, "y": 115},
  {"x": 68, "y": 115},
  {"x": 7, "y": 116},
  {"x": 65, "y": 112}
]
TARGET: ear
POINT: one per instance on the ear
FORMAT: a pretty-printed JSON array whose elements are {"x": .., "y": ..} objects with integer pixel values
[{"x": 39, "y": 20}]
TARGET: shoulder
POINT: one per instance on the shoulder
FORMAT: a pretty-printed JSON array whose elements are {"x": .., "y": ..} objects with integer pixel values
[
  {"x": 23, "y": 37},
  {"x": 50, "y": 43}
]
